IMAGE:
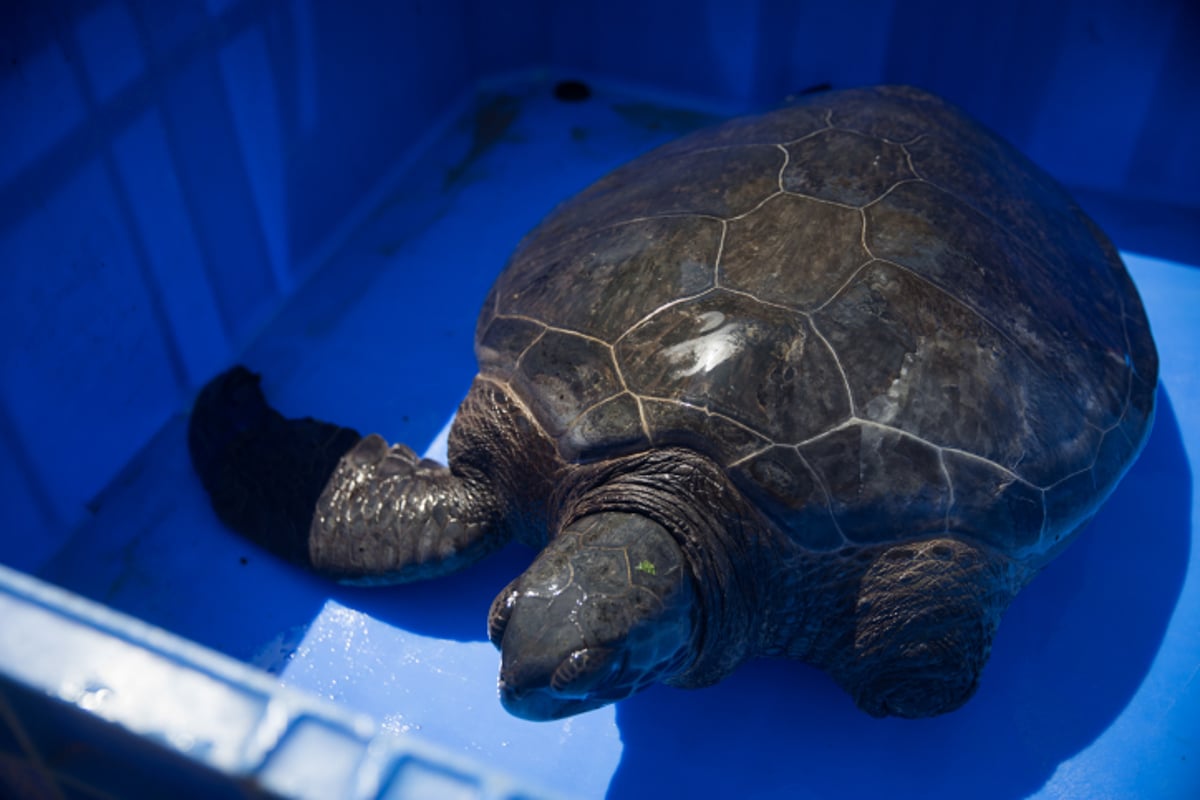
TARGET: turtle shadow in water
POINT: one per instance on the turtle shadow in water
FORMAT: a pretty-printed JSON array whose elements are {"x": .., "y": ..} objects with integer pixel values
[
  {"x": 1070, "y": 654},
  {"x": 451, "y": 607}
]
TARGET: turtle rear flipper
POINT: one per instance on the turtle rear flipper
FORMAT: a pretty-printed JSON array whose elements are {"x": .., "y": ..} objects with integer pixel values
[{"x": 925, "y": 618}]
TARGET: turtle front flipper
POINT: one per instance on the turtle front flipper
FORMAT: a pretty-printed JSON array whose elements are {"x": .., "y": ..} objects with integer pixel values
[
  {"x": 923, "y": 626},
  {"x": 323, "y": 496},
  {"x": 388, "y": 517}
]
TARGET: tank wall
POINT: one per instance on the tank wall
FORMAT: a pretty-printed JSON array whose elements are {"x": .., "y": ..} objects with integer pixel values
[
  {"x": 1103, "y": 94},
  {"x": 170, "y": 171}
]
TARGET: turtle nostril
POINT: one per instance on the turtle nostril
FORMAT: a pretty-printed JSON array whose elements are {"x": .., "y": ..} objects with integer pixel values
[{"x": 500, "y": 612}]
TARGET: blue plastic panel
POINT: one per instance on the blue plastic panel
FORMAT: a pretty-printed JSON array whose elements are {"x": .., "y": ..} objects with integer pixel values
[
  {"x": 94, "y": 704},
  {"x": 168, "y": 174}
]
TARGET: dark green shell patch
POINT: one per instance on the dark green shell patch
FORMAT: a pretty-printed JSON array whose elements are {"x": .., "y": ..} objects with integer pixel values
[{"x": 876, "y": 314}]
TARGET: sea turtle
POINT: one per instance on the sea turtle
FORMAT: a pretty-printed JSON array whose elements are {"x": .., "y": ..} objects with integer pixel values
[{"x": 831, "y": 383}]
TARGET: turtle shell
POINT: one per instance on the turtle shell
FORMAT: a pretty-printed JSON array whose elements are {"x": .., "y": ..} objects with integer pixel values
[{"x": 881, "y": 319}]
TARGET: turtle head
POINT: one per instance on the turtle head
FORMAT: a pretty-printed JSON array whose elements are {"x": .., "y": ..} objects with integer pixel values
[{"x": 607, "y": 609}]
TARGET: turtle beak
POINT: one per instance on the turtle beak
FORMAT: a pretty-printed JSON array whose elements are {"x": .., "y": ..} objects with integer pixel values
[
  {"x": 543, "y": 704},
  {"x": 605, "y": 610},
  {"x": 586, "y": 679}
]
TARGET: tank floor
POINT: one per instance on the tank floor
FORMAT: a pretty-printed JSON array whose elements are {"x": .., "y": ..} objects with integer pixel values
[{"x": 1091, "y": 688}]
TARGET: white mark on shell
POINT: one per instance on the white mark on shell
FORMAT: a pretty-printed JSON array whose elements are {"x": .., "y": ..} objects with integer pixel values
[{"x": 719, "y": 341}]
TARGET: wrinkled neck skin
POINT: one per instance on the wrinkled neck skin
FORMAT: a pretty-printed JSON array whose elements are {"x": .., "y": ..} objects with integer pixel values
[
  {"x": 724, "y": 542},
  {"x": 751, "y": 584}
]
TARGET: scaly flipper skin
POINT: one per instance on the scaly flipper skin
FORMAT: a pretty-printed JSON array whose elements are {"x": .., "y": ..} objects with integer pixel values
[
  {"x": 924, "y": 622},
  {"x": 388, "y": 517}
]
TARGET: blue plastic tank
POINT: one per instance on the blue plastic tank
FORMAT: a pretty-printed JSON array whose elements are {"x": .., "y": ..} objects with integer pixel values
[{"x": 325, "y": 192}]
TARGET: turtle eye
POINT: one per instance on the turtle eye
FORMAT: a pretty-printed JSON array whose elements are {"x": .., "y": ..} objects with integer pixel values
[
  {"x": 581, "y": 670},
  {"x": 499, "y": 613}
]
